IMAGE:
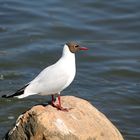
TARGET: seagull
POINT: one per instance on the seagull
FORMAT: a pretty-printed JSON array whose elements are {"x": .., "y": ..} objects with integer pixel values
[{"x": 54, "y": 78}]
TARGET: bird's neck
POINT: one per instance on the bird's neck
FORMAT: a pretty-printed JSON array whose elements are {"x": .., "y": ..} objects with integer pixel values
[
  {"x": 67, "y": 54},
  {"x": 67, "y": 61}
]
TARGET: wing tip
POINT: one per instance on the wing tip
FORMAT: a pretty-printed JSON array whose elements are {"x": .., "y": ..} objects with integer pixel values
[{"x": 5, "y": 96}]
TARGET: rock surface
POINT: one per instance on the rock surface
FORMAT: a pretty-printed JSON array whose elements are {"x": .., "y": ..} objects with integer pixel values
[{"x": 82, "y": 122}]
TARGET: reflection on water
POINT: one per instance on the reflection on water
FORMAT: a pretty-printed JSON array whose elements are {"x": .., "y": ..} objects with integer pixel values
[{"x": 32, "y": 34}]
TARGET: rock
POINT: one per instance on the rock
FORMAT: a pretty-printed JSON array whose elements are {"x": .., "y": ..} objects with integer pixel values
[{"x": 82, "y": 122}]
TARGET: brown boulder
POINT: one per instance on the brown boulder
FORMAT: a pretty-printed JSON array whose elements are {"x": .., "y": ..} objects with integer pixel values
[{"x": 82, "y": 122}]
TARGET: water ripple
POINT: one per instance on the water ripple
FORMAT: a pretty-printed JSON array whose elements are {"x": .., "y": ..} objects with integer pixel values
[{"x": 32, "y": 35}]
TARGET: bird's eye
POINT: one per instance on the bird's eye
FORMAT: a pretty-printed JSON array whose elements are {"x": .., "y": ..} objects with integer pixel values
[{"x": 76, "y": 46}]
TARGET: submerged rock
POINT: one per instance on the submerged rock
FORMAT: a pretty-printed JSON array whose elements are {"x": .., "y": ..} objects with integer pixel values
[{"x": 81, "y": 122}]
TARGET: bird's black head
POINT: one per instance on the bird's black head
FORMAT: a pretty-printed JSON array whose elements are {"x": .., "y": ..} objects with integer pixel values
[{"x": 74, "y": 47}]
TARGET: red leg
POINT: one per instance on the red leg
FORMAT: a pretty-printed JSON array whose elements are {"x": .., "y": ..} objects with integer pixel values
[
  {"x": 52, "y": 98},
  {"x": 53, "y": 104},
  {"x": 58, "y": 106},
  {"x": 59, "y": 101}
]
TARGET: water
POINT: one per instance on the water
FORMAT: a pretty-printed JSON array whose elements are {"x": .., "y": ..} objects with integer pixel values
[{"x": 32, "y": 34}]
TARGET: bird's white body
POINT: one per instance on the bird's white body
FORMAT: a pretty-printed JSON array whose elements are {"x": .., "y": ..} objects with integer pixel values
[{"x": 55, "y": 78}]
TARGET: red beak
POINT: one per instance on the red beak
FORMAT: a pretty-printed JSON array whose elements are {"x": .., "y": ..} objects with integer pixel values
[{"x": 83, "y": 48}]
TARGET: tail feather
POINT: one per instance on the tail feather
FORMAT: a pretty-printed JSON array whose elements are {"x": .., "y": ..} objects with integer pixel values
[{"x": 17, "y": 93}]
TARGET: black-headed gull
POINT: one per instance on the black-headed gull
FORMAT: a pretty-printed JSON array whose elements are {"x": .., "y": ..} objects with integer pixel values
[{"x": 53, "y": 79}]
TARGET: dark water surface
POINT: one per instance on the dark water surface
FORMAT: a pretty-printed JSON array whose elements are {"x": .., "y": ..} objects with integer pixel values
[{"x": 32, "y": 34}]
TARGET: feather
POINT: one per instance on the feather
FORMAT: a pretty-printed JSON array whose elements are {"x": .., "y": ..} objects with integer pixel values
[{"x": 17, "y": 93}]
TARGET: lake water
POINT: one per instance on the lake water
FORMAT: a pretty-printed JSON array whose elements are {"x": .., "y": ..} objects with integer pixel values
[{"x": 32, "y": 34}]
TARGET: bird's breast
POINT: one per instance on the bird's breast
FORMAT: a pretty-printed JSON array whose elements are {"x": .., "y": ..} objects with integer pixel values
[{"x": 70, "y": 71}]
